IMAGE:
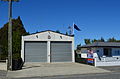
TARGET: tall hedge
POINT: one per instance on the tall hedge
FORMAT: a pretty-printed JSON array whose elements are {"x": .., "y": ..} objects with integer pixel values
[{"x": 18, "y": 31}]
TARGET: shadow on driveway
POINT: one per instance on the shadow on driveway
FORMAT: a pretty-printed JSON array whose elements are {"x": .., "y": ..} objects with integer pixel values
[{"x": 25, "y": 67}]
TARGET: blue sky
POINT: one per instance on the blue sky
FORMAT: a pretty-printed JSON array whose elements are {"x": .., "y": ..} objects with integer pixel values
[{"x": 96, "y": 18}]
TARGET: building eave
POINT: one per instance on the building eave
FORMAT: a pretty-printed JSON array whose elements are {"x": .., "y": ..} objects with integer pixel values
[
  {"x": 50, "y": 31},
  {"x": 101, "y": 47}
]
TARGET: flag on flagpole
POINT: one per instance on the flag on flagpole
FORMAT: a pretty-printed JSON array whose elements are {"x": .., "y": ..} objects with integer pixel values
[
  {"x": 76, "y": 27},
  {"x": 69, "y": 27},
  {"x": 70, "y": 30}
]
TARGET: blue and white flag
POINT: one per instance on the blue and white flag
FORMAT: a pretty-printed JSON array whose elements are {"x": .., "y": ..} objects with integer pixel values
[
  {"x": 76, "y": 27},
  {"x": 71, "y": 28}
]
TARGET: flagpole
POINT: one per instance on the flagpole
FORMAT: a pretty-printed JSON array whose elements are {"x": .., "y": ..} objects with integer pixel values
[{"x": 73, "y": 29}]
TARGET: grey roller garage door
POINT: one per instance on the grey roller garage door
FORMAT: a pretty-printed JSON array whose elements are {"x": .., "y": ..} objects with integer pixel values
[
  {"x": 35, "y": 51},
  {"x": 61, "y": 52}
]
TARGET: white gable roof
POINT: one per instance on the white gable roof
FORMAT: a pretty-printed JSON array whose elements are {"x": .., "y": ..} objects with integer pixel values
[{"x": 48, "y": 36}]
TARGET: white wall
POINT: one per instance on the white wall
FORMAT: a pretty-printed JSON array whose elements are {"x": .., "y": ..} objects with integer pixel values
[
  {"x": 108, "y": 61},
  {"x": 100, "y": 51},
  {"x": 84, "y": 50},
  {"x": 43, "y": 36}
]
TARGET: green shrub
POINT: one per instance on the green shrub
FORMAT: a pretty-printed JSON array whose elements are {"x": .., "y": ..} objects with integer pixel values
[{"x": 16, "y": 56}]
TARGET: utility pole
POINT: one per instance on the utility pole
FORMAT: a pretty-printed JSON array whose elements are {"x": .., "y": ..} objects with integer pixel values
[{"x": 9, "y": 65}]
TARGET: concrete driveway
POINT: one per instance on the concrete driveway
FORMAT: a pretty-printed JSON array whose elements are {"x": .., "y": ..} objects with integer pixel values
[{"x": 53, "y": 69}]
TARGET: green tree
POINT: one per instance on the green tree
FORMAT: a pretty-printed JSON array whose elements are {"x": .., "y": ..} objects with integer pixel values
[
  {"x": 57, "y": 31},
  {"x": 18, "y": 31},
  {"x": 66, "y": 33},
  {"x": 112, "y": 40},
  {"x": 98, "y": 40},
  {"x": 94, "y": 40},
  {"x": 102, "y": 39},
  {"x": 117, "y": 40},
  {"x": 79, "y": 47},
  {"x": 87, "y": 41}
]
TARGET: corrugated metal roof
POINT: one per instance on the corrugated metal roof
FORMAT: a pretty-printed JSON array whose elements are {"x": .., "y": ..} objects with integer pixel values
[{"x": 102, "y": 44}]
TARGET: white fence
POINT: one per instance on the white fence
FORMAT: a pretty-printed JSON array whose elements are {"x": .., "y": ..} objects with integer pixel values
[{"x": 107, "y": 61}]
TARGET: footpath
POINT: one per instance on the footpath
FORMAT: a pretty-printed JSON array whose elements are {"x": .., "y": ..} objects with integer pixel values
[{"x": 54, "y": 69}]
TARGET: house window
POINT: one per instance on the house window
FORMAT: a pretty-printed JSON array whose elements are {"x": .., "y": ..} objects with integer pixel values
[
  {"x": 107, "y": 52},
  {"x": 117, "y": 52},
  {"x": 98, "y": 51}
]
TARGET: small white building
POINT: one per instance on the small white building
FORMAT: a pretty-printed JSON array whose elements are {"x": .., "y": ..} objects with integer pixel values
[
  {"x": 48, "y": 46},
  {"x": 104, "y": 53}
]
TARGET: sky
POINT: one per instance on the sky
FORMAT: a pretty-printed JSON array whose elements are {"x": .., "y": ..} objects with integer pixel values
[{"x": 96, "y": 18}]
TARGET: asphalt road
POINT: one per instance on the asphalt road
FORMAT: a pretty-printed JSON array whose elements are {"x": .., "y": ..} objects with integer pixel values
[
  {"x": 115, "y": 74},
  {"x": 112, "y": 68},
  {"x": 87, "y": 76}
]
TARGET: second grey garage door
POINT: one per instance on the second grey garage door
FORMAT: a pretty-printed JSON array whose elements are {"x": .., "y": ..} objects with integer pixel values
[
  {"x": 35, "y": 51},
  {"x": 61, "y": 51}
]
